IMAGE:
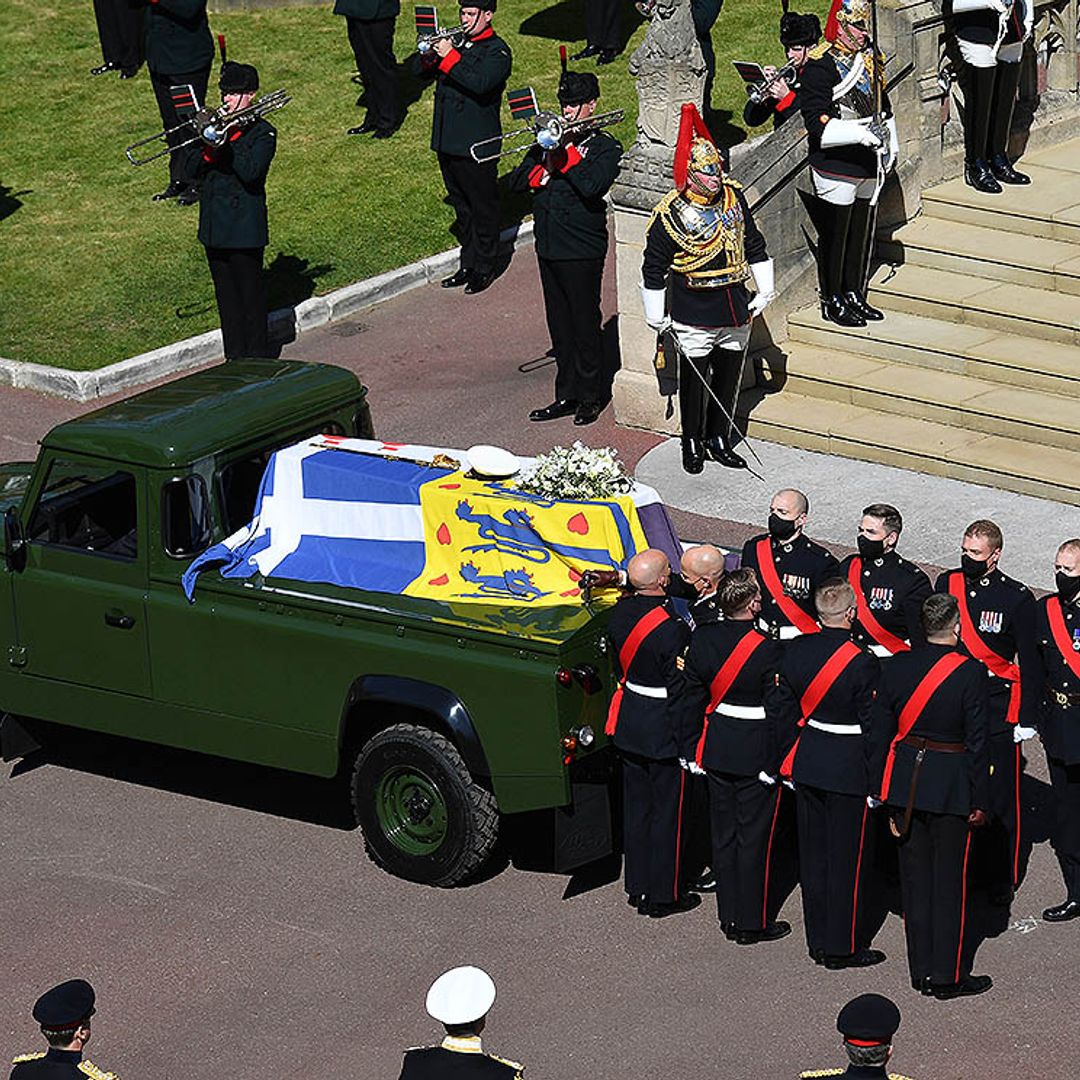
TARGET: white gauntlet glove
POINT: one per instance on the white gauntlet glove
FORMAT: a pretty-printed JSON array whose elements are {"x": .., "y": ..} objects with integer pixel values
[
  {"x": 1022, "y": 734},
  {"x": 654, "y": 302},
  {"x": 765, "y": 778},
  {"x": 764, "y": 283},
  {"x": 848, "y": 133}
]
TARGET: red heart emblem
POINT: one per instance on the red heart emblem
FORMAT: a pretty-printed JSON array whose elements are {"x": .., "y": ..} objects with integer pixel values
[
  {"x": 450, "y": 487},
  {"x": 442, "y": 579},
  {"x": 571, "y": 592},
  {"x": 443, "y": 535},
  {"x": 575, "y": 575},
  {"x": 578, "y": 524}
]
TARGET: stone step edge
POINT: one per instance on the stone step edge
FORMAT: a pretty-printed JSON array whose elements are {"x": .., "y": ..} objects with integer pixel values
[
  {"x": 285, "y": 325},
  {"x": 906, "y": 239}
]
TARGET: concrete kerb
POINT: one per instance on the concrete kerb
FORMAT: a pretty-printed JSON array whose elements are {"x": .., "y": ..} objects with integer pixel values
[{"x": 284, "y": 325}]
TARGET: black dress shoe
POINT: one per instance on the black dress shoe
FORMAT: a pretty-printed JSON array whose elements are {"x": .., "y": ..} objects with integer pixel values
[
  {"x": 1002, "y": 169},
  {"x": 835, "y": 309},
  {"x": 922, "y": 986},
  {"x": 717, "y": 450},
  {"x": 479, "y": 282},
  {"x": 588, "y": 412},
  {"x": 189, "y": 196},
  {"x": 817, "y": 955},
  {"x": 968, "y": 986},
  {"x": 861, "y": 958},
  {"x": 979, "y": 176},
  {"x": 101, "y": 69},
  {"x": 456, "y": 279},
  {"x": 558, "y": 408},
  {"x": 386, "y": 132},
  {"x": 606, "y": 56},
  {"x": 705, "y": 883},
  {"x": 175, "y": 188},
  {"x": 635, "y": 900},
  {"x": 728, "y": 930},
  {"x": 857, "y": 303},
  {"x": 676, "y": 907},
  {"x": 1063, "y": 912},
  {"x": 773, "y": 932},
  {"x": 589, "y": 50},
  {"x": 362, "y": 129},
  {"x": 128, "y": 73},
  {"x": 693, "y": 455}
]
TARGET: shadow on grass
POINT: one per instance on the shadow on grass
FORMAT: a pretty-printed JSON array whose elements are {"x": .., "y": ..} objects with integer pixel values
[
  {"x": 565, "y": 21},
  {"x": 10, "y": 200},
  {"x": 291, "y": 280}
]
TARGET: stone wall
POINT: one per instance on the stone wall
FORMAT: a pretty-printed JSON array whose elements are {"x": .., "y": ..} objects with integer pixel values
[{"x": 772, "y": 168}]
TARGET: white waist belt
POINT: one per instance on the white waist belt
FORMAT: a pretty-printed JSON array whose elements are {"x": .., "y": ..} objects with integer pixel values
[
  {"x": 880, "y": 650},
  {"x": 835, "y": 729},
  {"x": 647, "y": 691},
  {"x": 741, "y": 712},
  {"x": 784, "y": 633}
]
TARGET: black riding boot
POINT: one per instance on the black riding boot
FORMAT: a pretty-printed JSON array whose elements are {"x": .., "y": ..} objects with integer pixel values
[
  {"x": 1001, "y": 114},
  {"x": 692, "y": 413},
  {"x": 978, "y": 87},
  {"x": 832, "y": 243},
  {"x": 724, "y": 377},
  {"x": 860, "y": 244}
]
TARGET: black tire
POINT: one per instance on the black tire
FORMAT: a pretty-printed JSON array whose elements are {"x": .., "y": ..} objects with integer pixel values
[{"x": 412, "y": 768}]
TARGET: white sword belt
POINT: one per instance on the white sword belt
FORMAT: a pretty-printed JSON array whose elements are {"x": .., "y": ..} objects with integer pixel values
[
  {"x": 646, "y": 691},
  {"x": 834, "y": 729},
  {"x": 741, "y": 712}
]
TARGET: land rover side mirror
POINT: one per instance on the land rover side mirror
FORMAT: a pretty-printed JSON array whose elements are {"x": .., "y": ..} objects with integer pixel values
[{"x": 14, "y": 540}]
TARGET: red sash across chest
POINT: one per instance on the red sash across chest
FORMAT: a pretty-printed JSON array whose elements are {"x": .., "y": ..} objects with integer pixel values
[
  {"x": 634, "y": 640},
  {"x": 867, "y": 619},
  {"x": 775, "y": 587}
]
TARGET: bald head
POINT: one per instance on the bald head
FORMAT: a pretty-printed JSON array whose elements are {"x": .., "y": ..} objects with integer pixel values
[
  {"x": 648, "y": 571},
  {"x": 787, "y": 513}
]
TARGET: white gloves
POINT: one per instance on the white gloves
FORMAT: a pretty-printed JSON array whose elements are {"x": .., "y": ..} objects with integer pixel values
[
  {"x": 765, "y": 778},
  {"x": 872, "y": 802},
  {"x": 893, "y": 149},
  {"x": 691, "y": 766},
  {"x": 654, "y": 302},
  {"x": 848, "y": 133},
  {"x": 765, "y": 283},
  {"x": 1022, "y": 734}
]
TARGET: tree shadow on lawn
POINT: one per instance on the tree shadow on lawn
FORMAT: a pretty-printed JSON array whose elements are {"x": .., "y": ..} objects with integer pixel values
[{"x": 565, "y": 21}]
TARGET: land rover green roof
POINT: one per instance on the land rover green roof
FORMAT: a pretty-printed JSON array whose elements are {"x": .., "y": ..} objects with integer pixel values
[{"x": 181, "y": 422}]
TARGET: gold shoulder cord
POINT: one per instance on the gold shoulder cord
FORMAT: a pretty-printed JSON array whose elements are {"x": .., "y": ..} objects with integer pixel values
[
  {"x": 91, "y": 1070},
  {"x": 36, "y": 1056}
]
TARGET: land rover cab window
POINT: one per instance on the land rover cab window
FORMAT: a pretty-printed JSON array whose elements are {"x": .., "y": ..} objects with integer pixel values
[
  {"x": 87, "y": 507},
  {"x": 185, "y": 516}
]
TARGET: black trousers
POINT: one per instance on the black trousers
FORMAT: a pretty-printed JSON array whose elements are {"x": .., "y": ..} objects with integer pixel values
[
  {"x": 653, "y": 794},
  {"x": 241, "y": 300},
  {"x": 933, "y": 887},
  {"x": 834, "y": 859},
  {"x": 372, "y": 42},
  {"x": 120, "y": 28},
  {"x": 995, "y": 849},
  {"x": 474, "y": 195},
  {"x": 1065, "y": 780},
  {"x": 182, "y": 163},
  {"x": 743, "y": 813},
  {"x": 572, "y": 305},
  {"x": 603, "y": 24}
]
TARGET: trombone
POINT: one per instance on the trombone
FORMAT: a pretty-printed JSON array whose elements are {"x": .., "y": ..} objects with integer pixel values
[
  {"x": 546, "y": 130},
  {"x": 212, "y": 127}
]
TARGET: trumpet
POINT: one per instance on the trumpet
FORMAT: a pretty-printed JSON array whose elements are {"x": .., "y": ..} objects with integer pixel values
[
  {"x": 758, "y": 92},
  {"x": 546, "y": 130},
  {"x": 454, "y": 34},
  {"x": 211, "y": 127}
]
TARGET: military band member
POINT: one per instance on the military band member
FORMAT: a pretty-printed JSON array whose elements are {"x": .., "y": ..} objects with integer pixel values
[
  {"x": 64, "y": 1014},
  {"x": 704, "y": 14},
  {"x": 569, "y": 185},
  {"x": 935, "y": 785},
  {"x": 828, "y": 689},
  {"x": 232, "y": 218},
  {"x": 644, "y": 718},
  {"x": 370, "y": 26},
  {"x": 789, "y": 566},
  {"x": 120, "y": 30},
  {"x": 868, "y": 1024},
  {"x": 603, "y": 31},
  {"x": 179, "y": 51},
  {"x": 849, "y": 160},
  {"x": 997, "y": 628},
  {"x": 990, "y": 35},
  {"x": 702, "y": 239},
  {"x": 732, "y": 730},
  {"x": 798, "y": 34},
  {"x": 460, "y": 999},
  {"x": 1057, "y": 635},
  {"x": 889, "y": 590},
  {"x": 468, "y": 95}
]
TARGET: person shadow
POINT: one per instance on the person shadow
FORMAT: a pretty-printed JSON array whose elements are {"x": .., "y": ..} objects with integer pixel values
[
  {"x": 10, "y": 200},
  {"x": 289, "y": 280},
  {"x": 565, "y": 22}
]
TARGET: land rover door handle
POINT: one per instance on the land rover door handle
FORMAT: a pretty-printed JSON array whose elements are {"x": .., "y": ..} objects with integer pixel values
[{"x": 119, "y": 620}]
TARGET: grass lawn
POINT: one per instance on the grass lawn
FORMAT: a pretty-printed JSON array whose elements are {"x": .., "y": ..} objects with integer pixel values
[{"x": 91, "y": 271}]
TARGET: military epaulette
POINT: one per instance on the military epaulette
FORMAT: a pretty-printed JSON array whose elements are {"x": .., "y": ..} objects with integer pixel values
[
  {"x": 820, "y": 1072},
  {"x": 816, "y": 53},
  {"x": 91, "y": 1070},
  {"x": 28, "y": 1057},
  {"x": 516, "y": 1065},
  {"x": 898, "y": 1076}
]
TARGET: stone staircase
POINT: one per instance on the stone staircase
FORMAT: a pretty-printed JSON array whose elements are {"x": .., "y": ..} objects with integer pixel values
[{"x": 975, "y": 372}]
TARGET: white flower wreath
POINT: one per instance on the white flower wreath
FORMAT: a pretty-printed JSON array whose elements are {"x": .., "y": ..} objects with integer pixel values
[{"x": 576, "y": 472}]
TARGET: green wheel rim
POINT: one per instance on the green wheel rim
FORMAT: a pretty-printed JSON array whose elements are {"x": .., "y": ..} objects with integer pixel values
[{"x": 411, "y": 811}]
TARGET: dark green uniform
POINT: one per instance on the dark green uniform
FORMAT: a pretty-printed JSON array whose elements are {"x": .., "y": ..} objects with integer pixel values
[
  {"x": 570, "y": 227},
  {"x": 467, "y": 101},
  {"x": 233, "y": 229},
  {"x": 370, "y": 25}
]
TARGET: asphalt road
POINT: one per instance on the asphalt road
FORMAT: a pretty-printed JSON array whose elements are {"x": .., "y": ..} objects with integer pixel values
[{"x": 233, "y": 926}]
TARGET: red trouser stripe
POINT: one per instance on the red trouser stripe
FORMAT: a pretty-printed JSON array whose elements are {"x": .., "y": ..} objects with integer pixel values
[
  {"x": 768, "y": 858},
  {"x": 858, "y": 875},
  {"x": 963, "y": 908}
]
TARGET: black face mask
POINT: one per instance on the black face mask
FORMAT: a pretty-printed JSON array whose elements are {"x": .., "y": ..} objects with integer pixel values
[
  {"x": 781, "y": 528},
  {"x": 973, "y": 568},
  {"x": 870, "y": 549},
  {"x": 1067, "y": 587}
]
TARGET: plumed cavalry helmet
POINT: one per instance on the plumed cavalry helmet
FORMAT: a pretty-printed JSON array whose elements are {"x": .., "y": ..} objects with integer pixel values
[
  {"x": 854, "y": 13},
  {"x": 698, "y": 165}
]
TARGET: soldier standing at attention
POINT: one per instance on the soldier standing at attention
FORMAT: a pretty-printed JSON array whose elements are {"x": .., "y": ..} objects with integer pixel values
[
  {"x": 179, "y": 51},
  {"x": 120, "y": 29},
  {"x": 1057, "y": 636},
  {"x": 828, "y": 689},
  {"x": 649, "y": 641},
  {"x": 232, "y": 218},
  {"x": 868, "y": 1024},
  {"x": 471, "y": 81},
  {"x": 789, "y": 566},
  {"x": 570, "y": 217},
  {"x": 460, "y": 1000},
  {"x": 997, "y": 628},
  {"x": 64, "y": 1015},
  {"x": 889, "y": 590},
  {"x": 935, "y": 785},
  {"x": 370, "y": 25}
]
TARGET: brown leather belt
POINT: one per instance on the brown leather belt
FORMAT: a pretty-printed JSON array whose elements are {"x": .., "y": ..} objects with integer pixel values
[
  {"x": 920, "y": 745},
  {"x": 932, "y": 744}
]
